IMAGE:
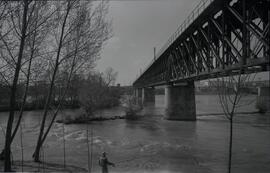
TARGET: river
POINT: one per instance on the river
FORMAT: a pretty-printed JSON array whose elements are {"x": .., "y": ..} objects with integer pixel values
[{"x": 152, "y": 144}]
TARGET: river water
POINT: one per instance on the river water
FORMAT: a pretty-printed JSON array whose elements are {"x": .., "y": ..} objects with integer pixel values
[{"x": 152, "y": 144}]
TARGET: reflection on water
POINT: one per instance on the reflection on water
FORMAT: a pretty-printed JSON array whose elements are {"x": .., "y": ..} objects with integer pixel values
[{"x": 152, "y": 144}]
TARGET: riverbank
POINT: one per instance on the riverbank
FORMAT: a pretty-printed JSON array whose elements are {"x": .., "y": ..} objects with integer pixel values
[
  {"x": 30, "y": 166},
  {"x": 83, "y": 120},
  {"x": 5, "y": 108}
]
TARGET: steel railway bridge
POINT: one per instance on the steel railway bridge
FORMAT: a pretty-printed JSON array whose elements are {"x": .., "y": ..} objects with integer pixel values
[{"x": 219, "y": 37}]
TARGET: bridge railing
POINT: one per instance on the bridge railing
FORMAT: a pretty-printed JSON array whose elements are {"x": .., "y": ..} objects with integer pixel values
[{"x": 202, "y": 5}]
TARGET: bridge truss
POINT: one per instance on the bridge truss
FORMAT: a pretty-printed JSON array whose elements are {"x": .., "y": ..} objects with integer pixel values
[{"x": 218, "y": 38}]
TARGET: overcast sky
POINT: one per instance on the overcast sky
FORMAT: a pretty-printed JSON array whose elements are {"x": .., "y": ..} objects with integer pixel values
[{"x": 138, "y": 27}]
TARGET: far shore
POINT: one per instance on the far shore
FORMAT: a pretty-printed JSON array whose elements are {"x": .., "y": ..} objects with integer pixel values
[{"x": 83, "y": 120}]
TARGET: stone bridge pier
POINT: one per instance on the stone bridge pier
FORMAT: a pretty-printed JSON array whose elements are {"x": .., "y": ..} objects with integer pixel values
[
  {"x": 148, "y": 96},
  {"x": 138, "y": 95},
  {"x": 145, "y": 96},
  {"x": 180, "y": 102},
  {"x": 263, "y": 99}
]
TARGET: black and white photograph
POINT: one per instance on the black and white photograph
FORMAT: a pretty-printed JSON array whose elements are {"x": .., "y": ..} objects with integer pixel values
[{"x": 135, "y": 86}]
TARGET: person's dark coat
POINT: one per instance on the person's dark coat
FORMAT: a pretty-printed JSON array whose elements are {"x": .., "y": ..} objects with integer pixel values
[{"x": 103, "y": 162}]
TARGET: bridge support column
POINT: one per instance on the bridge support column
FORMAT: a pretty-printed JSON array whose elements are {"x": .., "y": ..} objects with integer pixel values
[
  {"x": 263, "y": 99},
  {"x": 138, "y": 95},
  {"x": 180, "y": 102},
  {"x": 148, "y": 96}
]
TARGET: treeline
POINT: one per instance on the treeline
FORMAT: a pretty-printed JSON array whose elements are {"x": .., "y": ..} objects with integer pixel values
[
  {"x": 230, "y": 90},
  {"x": 45, "y": 46},
  {"x": 81, "y": 88}
]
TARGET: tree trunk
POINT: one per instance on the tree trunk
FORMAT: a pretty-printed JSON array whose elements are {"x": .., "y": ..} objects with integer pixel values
[
  {"x": 2, "y": 157},
  {"x": 24, "y": 98},
  {"x": 230, "y": 146},
  {"x": 60, "y": 100},
  {"x": 46, "y": 107},
  {"x": 13, "y": 91}
]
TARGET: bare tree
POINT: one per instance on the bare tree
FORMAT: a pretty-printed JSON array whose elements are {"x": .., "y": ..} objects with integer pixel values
[
  {"x": 33, "y": 43},
  {"x": 82, "y": 34},
  {"x": 23, "y": 32},
  {"x": 109, "y": 76},
  {"x": 78, "y": 31},
  {"x": 59, "y": 19},
  {"x": 14, "y": 87},
  {"x": 231, "y": 91}
]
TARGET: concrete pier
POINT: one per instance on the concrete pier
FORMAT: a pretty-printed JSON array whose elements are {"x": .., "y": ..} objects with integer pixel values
[
  {"x": 180, "y": 102},
  {"x": 148, "y": 96},
  {"x": 138, "y": 95},
  {"x": 263, "y": 99}
]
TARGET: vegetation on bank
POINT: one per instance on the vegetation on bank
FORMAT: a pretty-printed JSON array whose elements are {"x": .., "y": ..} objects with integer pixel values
[
  {"x": 47, "y": 49},
  {"x": 132, "y": 106},
  {"x": 91, "y": 92},
  {"x": 129, "y": 103},
  {"x": 83, "y": 119}
]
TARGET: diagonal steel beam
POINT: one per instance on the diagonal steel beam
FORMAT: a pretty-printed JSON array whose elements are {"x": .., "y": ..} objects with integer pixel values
[
  {"x": 239, "y": 37},
  {"x": 171, "y": 67},
  {"x": 191, "y": 58},
  {"x": 174, "y": 68},
  {"x": 210, "y": 45},
  {"x": 206, "y": 50},
  {"x": 226, "y": 39},
  {"x": 189, "y": 71},
  {"x": 238, "y": 17},
  {"x": 207, "y": 54},
  {"x": 184, "y": 68},
  {"x": 199, "y": 53},
  {"x": 177, "y": 62},
  {"x": 163, "y": 67},
  {"x": 167, "y": 69}
]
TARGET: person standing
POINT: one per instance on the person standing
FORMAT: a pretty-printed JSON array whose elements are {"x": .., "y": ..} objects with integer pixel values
[{"x": 104, "y": 162}]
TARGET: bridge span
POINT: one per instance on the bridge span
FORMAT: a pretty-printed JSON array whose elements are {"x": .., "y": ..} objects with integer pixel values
[{"x": 218, "y": 38}]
